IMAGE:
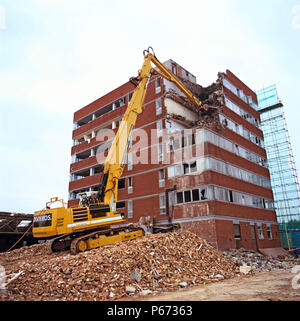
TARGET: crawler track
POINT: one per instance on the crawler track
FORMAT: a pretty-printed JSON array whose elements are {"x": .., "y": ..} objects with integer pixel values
[{"x": 80, "y": 242}]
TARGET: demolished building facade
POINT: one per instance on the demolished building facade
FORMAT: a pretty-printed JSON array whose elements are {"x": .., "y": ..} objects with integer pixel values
[{"x": 221, "y": 191}]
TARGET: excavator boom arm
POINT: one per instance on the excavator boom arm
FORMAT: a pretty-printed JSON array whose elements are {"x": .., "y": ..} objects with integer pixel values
[{"x": 115, "y": 161}]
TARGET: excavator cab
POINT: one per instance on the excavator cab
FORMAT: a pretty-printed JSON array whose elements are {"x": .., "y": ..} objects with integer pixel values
[{"x": 87, "y": 226}]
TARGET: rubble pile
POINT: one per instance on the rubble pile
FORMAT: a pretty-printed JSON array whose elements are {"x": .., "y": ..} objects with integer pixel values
[
  {"x": 259, "y": 262},
  {"x": 147, "y": 265},
  {"x": 212, "y": 96}
]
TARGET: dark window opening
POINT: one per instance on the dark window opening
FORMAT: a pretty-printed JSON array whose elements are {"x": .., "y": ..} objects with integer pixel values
[
  {"x": 187, "y": 196},
  {"x": 196, "y": 196},
  {"x": 184, "y": 141},
  {"x": 130, "y": 96},
  {"x": 98, "y": 169},
  {"x": 120, "y": 204},
  {"x": 179, "y": 197},
  {"x": 230, "y": 197},
  {"x": 203, "y": 195},
  {"x": 237, "y": 231},
  {"x": 121, "y": 183},
  {"x": 186, "y": 168},
  {"x": 194, "y": 167}
]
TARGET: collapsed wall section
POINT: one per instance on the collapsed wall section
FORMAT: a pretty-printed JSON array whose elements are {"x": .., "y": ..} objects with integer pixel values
[{"x": 183, "y": 110}]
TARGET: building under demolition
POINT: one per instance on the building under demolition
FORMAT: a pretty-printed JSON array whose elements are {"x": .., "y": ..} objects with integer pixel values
[{"x": 220, "y": 191}]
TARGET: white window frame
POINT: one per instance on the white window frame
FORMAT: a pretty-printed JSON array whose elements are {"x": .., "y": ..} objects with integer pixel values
[
  {"x": 159, "y": 127},
  {"x": 157, "y": 85},
  {"x": 129, "y": 209},
  {"x": 260, "y": 232},
  {"x": 162, "y": 204},
  {"x": 269, "y": 232},
  {"x": 158, "y": 106},
  {"x": 161, "y": 180},
  {"x": 130, "y": 184},
  {"x": 160, "y": 152},
  {"x": 129, "y": 162}
]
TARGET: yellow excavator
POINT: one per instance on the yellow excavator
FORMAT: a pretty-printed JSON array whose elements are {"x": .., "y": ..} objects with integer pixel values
[{"x": 93, "y": 223}]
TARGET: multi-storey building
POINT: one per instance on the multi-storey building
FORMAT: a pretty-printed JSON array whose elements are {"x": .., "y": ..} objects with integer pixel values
[{"x": 222, "y": 189}]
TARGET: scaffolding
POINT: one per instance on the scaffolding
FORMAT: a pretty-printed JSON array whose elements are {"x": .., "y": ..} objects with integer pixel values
[{"x": 282, "y": 167}]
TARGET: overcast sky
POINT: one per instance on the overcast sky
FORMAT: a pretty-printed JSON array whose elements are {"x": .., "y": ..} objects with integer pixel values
[{"x": 58, "y": 56}]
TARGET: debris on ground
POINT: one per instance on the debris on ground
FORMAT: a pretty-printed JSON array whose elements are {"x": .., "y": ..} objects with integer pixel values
[
  {"x": 258, "y": 262},
  {"x": 147, "y": 265}
]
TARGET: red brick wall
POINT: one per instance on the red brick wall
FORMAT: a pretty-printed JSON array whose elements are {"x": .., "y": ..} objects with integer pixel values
[
  {"x": 238, "y": 83},
  {"x": 103, "y": 101},
  {"x": 225, "y": 235},
  {"x": 205, "y": 229},
  {"x": 246, "y": 237}
]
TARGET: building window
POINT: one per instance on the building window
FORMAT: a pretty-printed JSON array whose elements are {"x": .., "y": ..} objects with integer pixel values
[
  {"x": 260, "y": 232},
  {"x": 186, "y": 168},
  {"x": 162, "y": 204},
  {"x": 157, "y": 86},
  {"x": 193, "y": 167},
  {"x": 116, "y": 124},
  {"x": 170, "y": 145},
  {"x": 130, "y": 185},
  {"x": 187, "y": 196},
  {"x": 120, "y": 204},
  {"x": 174, "y": 69},
  {"x": 160, "y": 152},
  {"x": 161, "y": 177},
  {"x": 237, "y": 231},
  {"x": 179, "y": 197},
  {"x": 129, "y": 209},
  {"x": 158, "y": 106},
  {"x": 203, "y": 194},
  {"x": 130, "y": 96},
  {"x": 178, "y": 170},
  {"x": 196, "y": 195},
  {"x": 269, "y": 232},
  {"x": 171, "y": 171},
  {"x": 159, "y": 128},
  {"x": 177, "y": 144},
  {"x": 129, "y": 163}
]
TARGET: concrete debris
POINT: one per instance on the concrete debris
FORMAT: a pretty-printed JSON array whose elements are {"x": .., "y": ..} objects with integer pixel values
[
  {"x": 258, "y": 262},
  {"x": 245, "y": 269},
  {"x": 145, "y": 292},
  {"x": 115, "y": 271},
  {"x": 130, "y": 289},
  {"x": 212, "y": 96},
  {"x": 135, "y": 276}
]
